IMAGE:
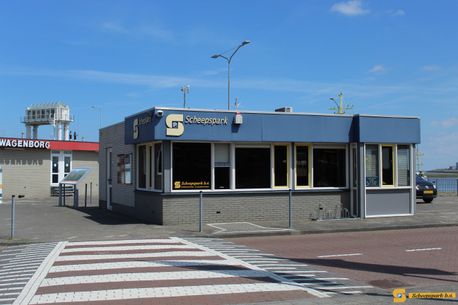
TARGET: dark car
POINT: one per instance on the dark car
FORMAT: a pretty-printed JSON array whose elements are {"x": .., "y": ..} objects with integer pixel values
[{"x": 425, "y": 190}]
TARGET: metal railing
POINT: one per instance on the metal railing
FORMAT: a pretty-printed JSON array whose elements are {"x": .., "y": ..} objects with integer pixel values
[{"x": 445, "y": 186}]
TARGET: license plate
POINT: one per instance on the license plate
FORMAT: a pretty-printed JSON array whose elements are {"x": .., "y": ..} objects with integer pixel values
[{"x": 428, "y": 192}]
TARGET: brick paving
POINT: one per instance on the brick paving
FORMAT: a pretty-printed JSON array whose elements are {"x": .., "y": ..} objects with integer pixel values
[{"x": 159, "y": 271}]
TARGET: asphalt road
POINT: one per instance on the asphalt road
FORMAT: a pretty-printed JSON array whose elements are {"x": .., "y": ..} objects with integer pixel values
[{"x": 385, "y": 259}]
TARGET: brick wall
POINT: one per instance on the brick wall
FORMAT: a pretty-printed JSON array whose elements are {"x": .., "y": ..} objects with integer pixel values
[{"x": 268, "y": 207}]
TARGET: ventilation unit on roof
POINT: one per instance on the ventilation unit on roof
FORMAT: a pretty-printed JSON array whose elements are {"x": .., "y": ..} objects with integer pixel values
[{"x": 284, "y": 109}]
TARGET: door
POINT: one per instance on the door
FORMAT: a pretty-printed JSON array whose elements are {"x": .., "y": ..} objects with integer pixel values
[{"x": 109, "y": 177}]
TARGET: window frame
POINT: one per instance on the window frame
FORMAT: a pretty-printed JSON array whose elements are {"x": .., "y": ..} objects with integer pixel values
[
  {"x": 332, "y": 146},
  {"x": 393, "y": 164},
  {"x": 288, "y": 165},
  {"x": 124, "y": 168},
  {"x": 395, "y": 184},
  {"x": 309, "y": 165},
  {"x": 150, "y": 166}
]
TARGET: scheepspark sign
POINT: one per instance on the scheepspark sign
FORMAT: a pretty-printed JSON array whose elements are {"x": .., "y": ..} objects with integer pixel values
[
  {"x": 24, "y": 143},
  {"x": 175, "y": 123}
]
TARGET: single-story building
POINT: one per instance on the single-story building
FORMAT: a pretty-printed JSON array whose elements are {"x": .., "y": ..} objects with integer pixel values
[
  {"x": 155, "y": 164},
  {"x": 34, "y": 167}
]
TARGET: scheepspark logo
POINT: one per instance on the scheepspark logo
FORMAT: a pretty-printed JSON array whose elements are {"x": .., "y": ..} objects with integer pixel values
[
  {"x": 174, "y": 124},
  {"x": 399, "y": 295},
  {"x": 135, "y": 129}
]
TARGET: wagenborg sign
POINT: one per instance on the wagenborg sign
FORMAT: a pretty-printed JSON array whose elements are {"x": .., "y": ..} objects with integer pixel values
[{"x": 24, "y": 143}]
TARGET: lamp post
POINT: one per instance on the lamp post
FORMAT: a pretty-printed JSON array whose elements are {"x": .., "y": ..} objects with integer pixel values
[
  {"x": 185, "y": 90},
  {"x": 99, "y": 109},
  {"x": 229, "y": 59}
]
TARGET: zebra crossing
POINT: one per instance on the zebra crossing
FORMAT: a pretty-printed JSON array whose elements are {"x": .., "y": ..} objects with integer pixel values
[
  {"x": 17, "y": 266},
  {"x": 160, "y": 271},
  {"x": 302, "y": 274}
]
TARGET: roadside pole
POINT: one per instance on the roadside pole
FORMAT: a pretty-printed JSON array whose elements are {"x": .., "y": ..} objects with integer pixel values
[
  {"x": 290, "y": 210},
  {"x": 201, "y": 213},
  {"x": 13, "y": 216}
]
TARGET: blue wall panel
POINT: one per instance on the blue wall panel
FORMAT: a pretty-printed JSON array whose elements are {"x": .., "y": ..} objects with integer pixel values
[{"x": 274, "y": 127}]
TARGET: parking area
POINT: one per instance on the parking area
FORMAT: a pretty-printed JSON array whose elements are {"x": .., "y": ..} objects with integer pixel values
[{"x": 45, "y": 221}]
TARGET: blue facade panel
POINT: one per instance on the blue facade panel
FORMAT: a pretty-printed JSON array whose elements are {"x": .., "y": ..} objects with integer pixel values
[
  {"x": 219, "y": 126},
  {"x": 388, "y": 130}
]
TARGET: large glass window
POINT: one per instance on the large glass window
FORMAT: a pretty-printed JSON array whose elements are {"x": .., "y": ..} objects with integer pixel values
[
  {"x": 158, "y": 166},
  {"x": 124, "y": 173},
  {"x": 222, "y": 166},
  {"x": 191, "y": 166},
  {"x": 372, "y": 166},
  {"x": 329, "y": 167},
  {"x": 252, "y": 167},
  {"x": 403, "y": 165},
  {"x": 281, "y": 168},
  {"x": 302, "y": 165},
  {"x": 142, "y": 166},
  {"x": 387, "y": 165}
]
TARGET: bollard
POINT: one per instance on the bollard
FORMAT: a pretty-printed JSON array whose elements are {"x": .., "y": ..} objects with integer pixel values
[
  {"x": 85, "y": 195},
  {"x": 60, "y": 194},
  {"x": 290, "y": 212},
  {"x": 201, "y": 214},
  {"x": 75, "y": 197},
  {"x": 65, "y": 193},
  {"x": 13, "y": 216}
]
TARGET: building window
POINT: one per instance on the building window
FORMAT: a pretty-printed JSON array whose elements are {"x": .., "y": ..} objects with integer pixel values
[
  {"x": 387, "y": 166},
  {"x": 252, "y": 168},
  {"x": 142, "y": 166},
  {"x": 329, "y": 167},
  {"x": 403, "y": 165},
  {"x": 124, "y": 169},
  {"x": 222, "y": 164},
  {"x": 55, "y": 169},
  {"x": 191, "y": 166},
  {"x": 281, "y": 167},
  {"x": 158, "y": 166},
  {"x": 372, "y": 166},
  {"x": 302, "y": 166}
]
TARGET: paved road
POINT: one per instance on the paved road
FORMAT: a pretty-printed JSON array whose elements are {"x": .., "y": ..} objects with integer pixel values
[{"x": 385, "y": 259}]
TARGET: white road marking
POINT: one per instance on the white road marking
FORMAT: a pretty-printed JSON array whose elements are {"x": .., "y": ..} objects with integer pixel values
[
  {"x": 137, "y": 264},
  {"x": 15, "y": 283},
  {"x": 32, "y": 285},
  {"x": 304, "y": 271},
  {"x": 339, "y": 255},
  {"x": 122, "y": 294},
  {"x": 332, "y": 278},
  {"x": 344, "y": 287},
  {"x": 280, "y": 268},
  {"x": 132, "y": 255},
  {"x": 124, "y": 248},
  {"x": 151, "y": 276},
  {"x": 117, "y": 242},
  {"x": 423, "y": 249}
]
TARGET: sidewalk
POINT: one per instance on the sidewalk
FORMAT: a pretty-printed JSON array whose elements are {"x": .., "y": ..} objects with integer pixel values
[{"x": 45, "y": 221}]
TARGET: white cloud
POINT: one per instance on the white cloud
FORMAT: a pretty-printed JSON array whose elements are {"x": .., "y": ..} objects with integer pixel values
[
  {"x": 110, "y": 26},
  {"x": 447, "y": 123},
  {"x": 377, "y": 69},
  {"x": 397, "y": 13},
  {"x": 350, "y": 8},
  {"x": 431, "y": 68}
]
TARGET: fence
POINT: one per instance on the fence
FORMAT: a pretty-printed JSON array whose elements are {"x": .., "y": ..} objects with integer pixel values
[{"x": 445, "y": 186}]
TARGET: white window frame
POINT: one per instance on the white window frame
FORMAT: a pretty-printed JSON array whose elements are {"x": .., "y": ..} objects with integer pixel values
[
  {"x": 150, "y": 167},
  {"x": 395, "y": 167},
  {"x": 331, "y": 146},
  {"x": 60, "y": 154},
  {"x": 310, "y": 166}
]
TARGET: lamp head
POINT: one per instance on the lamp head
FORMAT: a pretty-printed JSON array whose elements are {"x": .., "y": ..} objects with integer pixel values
[
  {"x": 245, "y": 42},
  {"x": 215, "y": 56}
]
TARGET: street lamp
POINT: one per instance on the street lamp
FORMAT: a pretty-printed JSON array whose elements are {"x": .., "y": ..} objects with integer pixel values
[
  {"x": 99, "y": 109},
  {"x": 229, "y": 59},
  {"x": 185, "y": 90}
]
